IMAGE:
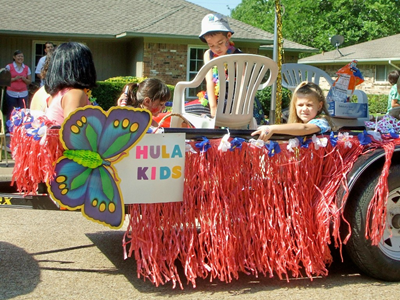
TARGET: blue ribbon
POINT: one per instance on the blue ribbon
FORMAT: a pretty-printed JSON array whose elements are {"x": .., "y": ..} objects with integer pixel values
[
  {"x": 236, "y": 143},
  {"x": 393, "y": 133},
  {"x": 273, "y": 148},
  {"x": 364, "y": 138},
  {"x": 304, "y": 142},
  {"x": 333, "y": 138},
  {"x": 204, "y": 145}
]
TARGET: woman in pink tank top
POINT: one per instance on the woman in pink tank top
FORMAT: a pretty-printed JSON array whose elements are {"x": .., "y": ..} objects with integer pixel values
[
  {"x": 17, "y": 94},
  {"x": 70, "y": 72}
]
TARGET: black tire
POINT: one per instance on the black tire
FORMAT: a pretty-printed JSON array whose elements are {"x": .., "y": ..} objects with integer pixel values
[{"x": 382, "y": 261}]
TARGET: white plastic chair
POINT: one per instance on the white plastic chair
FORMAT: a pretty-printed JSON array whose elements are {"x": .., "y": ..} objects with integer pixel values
[
  {"x": 293, "y": 74},
  {"x": 246, "y": 73}
]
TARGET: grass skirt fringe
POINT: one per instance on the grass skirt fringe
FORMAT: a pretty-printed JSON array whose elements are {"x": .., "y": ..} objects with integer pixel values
[
  {"x": 34, "y": 159},
  {"x": 244, "y": 211}
]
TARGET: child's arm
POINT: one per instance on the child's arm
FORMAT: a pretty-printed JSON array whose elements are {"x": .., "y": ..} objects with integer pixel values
[
  {"x": 212, "y": 100},
  {"x": 395, "y": 103},
  {"x": 72, "y": 100},
  {"x": 296, "y": 129}
]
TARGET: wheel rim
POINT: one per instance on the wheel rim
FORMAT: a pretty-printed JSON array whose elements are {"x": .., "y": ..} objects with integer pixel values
[{"x": 390, "y": 243}]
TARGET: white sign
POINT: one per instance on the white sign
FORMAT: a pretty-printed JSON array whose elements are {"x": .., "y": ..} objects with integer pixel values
[{"x": 154, "y": 170}]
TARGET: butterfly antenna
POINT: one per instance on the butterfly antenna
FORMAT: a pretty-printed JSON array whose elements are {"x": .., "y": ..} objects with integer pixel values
[
  {"x": 116, "y": 158},
  {"x": 113, "y": 173}
]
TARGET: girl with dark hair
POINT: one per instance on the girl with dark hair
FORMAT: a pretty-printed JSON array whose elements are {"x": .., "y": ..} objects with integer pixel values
[
  {"x": 394, "y": 94},
  {"x": 150, "y": 94},
  {"x": 20, "y": 79},
  {"x": 70, "y": 74},
  {"x": 308, "y": 114}
]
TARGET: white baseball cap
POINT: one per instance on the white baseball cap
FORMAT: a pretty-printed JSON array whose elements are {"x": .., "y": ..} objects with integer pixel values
[{"x": 212, "y": 23}]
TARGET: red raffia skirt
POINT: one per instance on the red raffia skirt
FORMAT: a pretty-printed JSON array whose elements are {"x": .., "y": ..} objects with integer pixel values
[
  {"x": 245, "y": 212},
  {"x": 242, "y": 211},
  {"x": 34, "y": 159}
]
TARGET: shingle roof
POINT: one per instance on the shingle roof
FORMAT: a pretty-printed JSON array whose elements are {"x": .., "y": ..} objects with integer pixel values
[
  {"x": 111, "y": 18},
  {"x": 382, "y": 49},
  {"x": 292, "y": 46}
]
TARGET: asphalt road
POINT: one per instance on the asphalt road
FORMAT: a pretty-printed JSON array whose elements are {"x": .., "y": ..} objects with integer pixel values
[{"x": 62, "y": 255}]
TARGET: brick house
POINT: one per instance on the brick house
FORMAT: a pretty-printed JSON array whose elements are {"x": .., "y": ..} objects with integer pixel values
[
  {"x": 376, "y": 59},
  {"x": 144, "y": 38}
]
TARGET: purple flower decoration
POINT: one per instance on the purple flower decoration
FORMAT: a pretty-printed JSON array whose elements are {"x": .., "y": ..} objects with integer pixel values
[
  {"x": 304, "y": 142},
  {"x": 16, "y": 119},
  {"x": 236, "y": 143},
  {"x": 334, "y": 138},
  {"x": 393, "y": 133},
  {"x": 28, "y": 121},
  {"x": 364, "y": 138},
  {"x": 273, "y": 148},
  {"x": 204, "y": 145},
  {"x": 35, "y": 133}
]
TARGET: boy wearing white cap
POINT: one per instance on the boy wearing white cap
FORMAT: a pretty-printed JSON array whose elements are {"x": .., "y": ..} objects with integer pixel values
[{"x": 215, "y": 31}]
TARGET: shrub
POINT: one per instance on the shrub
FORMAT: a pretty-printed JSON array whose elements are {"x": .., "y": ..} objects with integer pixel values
[
  {"x": 265, "y": 98},
  {"x": 377, "y": 104},
  {"x": 108, "y": 91}
]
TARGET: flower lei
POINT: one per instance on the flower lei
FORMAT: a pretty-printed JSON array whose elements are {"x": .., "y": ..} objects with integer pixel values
[
  {"x": 92, "y": 99},
  {"x": 34, "y": 127}
]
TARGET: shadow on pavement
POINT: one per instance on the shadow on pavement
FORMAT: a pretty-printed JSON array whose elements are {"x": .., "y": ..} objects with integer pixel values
[
  {"x": 25, "y": 274},
  {"x": 339, "y": 274}
]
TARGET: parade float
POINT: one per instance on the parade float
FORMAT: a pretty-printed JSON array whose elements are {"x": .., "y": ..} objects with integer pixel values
[
  {"x": 219, "y": 206},
  {"x": 218, "y": 203}
]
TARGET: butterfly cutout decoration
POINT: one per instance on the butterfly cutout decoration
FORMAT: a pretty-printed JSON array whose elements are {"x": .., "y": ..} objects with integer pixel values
[{"x": 84, "y": 176}]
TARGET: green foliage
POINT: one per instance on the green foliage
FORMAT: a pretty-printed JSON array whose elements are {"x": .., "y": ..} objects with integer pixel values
[
  {"x": 313, "y": 22},
  {"x": 107, "y": 92},
  {"x": 377, "y": 104},
  {"x": 125, "y": 79},
  {"x": 265, "y": 98}
]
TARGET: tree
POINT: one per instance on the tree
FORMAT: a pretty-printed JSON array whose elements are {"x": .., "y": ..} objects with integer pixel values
[{"x": 313, "y": 22}]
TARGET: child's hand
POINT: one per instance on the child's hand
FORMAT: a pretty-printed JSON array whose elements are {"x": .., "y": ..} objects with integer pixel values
[{"x": 264, "y": 133}]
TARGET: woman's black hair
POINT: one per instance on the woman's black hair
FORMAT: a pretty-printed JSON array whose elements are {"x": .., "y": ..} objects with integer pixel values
[
  {"x": 16, "y": 52},
  {"x": 71, "y": 66}
]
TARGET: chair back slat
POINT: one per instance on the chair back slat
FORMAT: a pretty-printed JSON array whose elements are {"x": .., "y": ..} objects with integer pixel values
[{"x": 237, "y": 89}]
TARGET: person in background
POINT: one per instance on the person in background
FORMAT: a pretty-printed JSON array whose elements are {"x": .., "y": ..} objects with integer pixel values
[
  {"x": 48, "y": 48},
  {"x": 71, "y": 74},
  {"x": 394, "y": 95},
  {"x": 308, "y": 114},
  {"x": 150, "y": 94},
  {"x": 39, "y": 100},
  {"x": 17, "y": 93},
  {"x": 216, "y": 33}
]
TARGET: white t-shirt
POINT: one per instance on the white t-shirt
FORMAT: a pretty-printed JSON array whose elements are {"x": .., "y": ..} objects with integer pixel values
[{"x": 39, "y": 68}]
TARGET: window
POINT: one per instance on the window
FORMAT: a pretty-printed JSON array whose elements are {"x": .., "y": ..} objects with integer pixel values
[
  {"x": 382, "y": 72},
  {"x": 195, "y": 58}
]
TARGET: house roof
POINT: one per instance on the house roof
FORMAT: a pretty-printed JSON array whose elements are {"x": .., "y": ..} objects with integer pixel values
[
  {"x": 379, "y": 50},
  {"x": 292, "y": 46},
  {"x": 117, "y": 19}
]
